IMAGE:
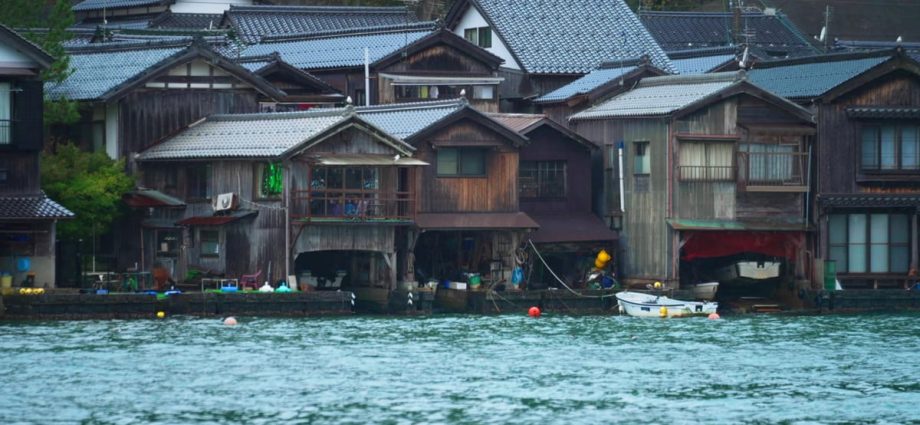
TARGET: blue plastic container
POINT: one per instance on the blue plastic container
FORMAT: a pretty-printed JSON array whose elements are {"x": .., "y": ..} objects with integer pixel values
[{"x": 23, "y": 264}]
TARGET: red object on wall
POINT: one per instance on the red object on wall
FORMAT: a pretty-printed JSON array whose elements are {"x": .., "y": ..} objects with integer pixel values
[{"x": 724, "y": 243}]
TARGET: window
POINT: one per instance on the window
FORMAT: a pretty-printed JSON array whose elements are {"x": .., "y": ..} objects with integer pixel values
[
  {"x": 890, "y": 148},
  {"x": 209, "y": 241},
  {"x": 461, "y": 162},
  {"x": 706, "y": 161},
  {"x": 642, "y": 160},
  {"x": 483, "y": 92},
  {"x": 199, "y": 182},
  {"x": 270, "y": 180},
  {"x": 4, "y": 175},
  {"x": 167, "y": 242},
  {"x": 869, "y": 243},
  {"x": 346, "y": 191},
  {"x": 359, "y": 99},
  {"x": 481, "y": 37},
  {"x": 772, "y": 163},
  {"x": 542, "y": 179},
  {"x": 6, "y": 108}
]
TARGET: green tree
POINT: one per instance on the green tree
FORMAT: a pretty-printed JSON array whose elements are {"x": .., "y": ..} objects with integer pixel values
[{"x": 88, "y": 183}]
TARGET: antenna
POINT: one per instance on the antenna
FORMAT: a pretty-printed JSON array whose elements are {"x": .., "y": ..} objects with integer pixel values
[{"x": 825, "y": 32}]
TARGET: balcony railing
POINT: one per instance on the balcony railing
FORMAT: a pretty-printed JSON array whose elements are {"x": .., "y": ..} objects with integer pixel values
[
  {"x": 6, "y": 133},
  {"x": 353, "y": 205},
  {"x": 772, "y": 171},
  {"x": 706, "y": 173}
]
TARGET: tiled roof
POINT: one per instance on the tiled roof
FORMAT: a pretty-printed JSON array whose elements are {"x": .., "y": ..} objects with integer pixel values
[
  {"x": 878, "y": 200},
  {"x": 124, "y": 23},
  {"x": 31, "y": 207},
  {"x": 809, "y": 80},
  {"x": 571, "y": 36},
  {"x": 338, "y": 51},
  {"x": 656, "y": 96},
  {"x": 683, "y": 30},
  {"x": 187, "y": 21},
  {"x": 253, "y": 22},
  {"x": 883, "y": 112},
  {"x": 271, "y": 135},
  {"x": 585, "y": 84},
  {"x": 88, "y": 5},
  {"x": 97, "y": 72},
  {"x": 517, "y": 122},
  {"x": 701, "y": 64}
]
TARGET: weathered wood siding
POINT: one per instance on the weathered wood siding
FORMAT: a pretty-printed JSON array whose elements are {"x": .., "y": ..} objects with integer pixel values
[
  {"x": 22, "y": 173},
  {"x": 497, "y": 191},
  {"x": 547, "y": 144}
]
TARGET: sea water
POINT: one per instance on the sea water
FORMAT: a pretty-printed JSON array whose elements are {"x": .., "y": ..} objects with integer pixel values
[{"x": 508, "y": 369}]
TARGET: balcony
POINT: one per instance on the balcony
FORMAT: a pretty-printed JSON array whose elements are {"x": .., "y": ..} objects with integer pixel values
[
  {"x": 353, "y": 206},
  {"x": 772, "y": 171},
  {"x": 6, "y": 134},
  {"x": 706, "y": 173}
]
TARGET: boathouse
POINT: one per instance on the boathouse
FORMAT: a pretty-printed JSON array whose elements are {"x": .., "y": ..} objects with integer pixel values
[
  {"x": 714, "y": 178},
  {"x": 867, "y": 175}
]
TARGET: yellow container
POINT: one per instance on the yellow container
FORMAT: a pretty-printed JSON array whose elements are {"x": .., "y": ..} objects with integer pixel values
[{"x": 6, "y": 281}]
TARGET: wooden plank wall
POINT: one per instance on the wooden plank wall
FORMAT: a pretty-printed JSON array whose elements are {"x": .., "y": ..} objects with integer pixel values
[
  {"x": 22, "y": 173},
  {"x": 549, "y": 145}
]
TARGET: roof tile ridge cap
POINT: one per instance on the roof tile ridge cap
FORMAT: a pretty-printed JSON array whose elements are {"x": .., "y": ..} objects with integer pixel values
[
  {"x": 410, "y": 105},
  {"x": 154, "y": 44},
  {"x": 515, "y": 115},
  {"x": 826, "y": 58},
  {"x": 315, "y": 8},
  {"x": 352, "y": 32},
  {"x": 275, "y": 115},
  {"x": 718, "y": 77}
]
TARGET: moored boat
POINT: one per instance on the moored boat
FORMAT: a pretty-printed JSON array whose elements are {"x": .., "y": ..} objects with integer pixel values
[
  {"x": 639, "y": 304},
  {"x": 704, "y": 291}
]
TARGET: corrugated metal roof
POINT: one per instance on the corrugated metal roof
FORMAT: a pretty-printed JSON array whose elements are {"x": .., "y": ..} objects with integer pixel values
[
  {"x": 809, "y": 80},
  {"x": 693, "y": 224},
  {"x": 657, "y": 96},
  {"x": 367, "y": 159},
  {"x": 96, "y": 73},
  {"x": 683, "y": 30},
  {"x": 339, "y": 51},
  {"x": 511, "y": 220},
  {"x": 252, "y": 23},
  {"x": 143, "y": 198},
  {"x": 517, "y": 122},
  {"x": 700, "y": 65},
  {"x": 271, "y": 135},
  {"x": 556, "y": 36},
  {"x": 88, "y": 5},
  {"x": 571, "y": 227},
  {"x": 585, "y": 84},
  {"x": 217, "y": 219},
  {"x": 31, "y": 207}
]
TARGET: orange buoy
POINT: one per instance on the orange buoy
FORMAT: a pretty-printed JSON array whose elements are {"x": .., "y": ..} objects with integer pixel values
[
  {"x": 534, "y": 311},
  {"x": 230, "y": 321},
  {"x": 713, "y": 316}
]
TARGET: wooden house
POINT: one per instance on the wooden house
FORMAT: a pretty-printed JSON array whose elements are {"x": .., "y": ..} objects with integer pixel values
[
  {"x": 867, "y": 179},
  {"x": 406, "y": 63},
  {"x": 27, "y": 216},
  {"x": 353, "y": 187},
  {"x": 555, "y": 188},
  {"x": 713, "y": 176},
  {"x": 548, "y": 44}
]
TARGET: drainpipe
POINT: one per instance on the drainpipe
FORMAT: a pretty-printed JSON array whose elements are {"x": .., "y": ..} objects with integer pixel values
[
  {"x": 367, "y": 78},
  {"x": 287, "y": 220},
  {"x": 620, "y": 147}
]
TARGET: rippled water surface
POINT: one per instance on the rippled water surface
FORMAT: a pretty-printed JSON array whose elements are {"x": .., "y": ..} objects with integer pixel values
[{"x": 463, "y": 370}]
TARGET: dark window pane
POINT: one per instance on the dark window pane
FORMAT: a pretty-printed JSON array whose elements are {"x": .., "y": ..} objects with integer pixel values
[
  {"x": 870, "y": 148},
  {"x": 485, "y": 37},
  {"x": 447, "y": 161},
  {"x": 472, "y": 162}
]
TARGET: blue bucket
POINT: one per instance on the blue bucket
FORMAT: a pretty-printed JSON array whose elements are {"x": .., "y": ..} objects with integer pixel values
[{"x": 23, "y": 264}]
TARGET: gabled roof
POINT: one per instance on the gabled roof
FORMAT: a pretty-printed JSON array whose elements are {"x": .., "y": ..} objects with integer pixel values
[
  {"x": 31, "y": 207},
  {"x": 31, "y": 50},
  {"x": 341, "y": 50},
  {"x": 104, "y": 73},
  {"x": 272, "y": 64},
  {"x": 565, "y": 37},
  {"x": 597, "y": 79},
  {"x": 688, "y": 30},
  {"x": 814, "y": 77},
  {"x": 681, "y": 94},
  {"x": 702, "y": 61},
  {"x": 527, "y": 123},
  {"x": 90, "y": 5},
  {"x": 251, "y": 23}
]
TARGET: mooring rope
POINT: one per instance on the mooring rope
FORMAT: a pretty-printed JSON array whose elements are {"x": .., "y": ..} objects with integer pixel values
[{"x": 535, "y": 250}]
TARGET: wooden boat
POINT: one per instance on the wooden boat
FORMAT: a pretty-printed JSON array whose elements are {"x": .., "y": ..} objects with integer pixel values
[
  {"x": 704, "y": 291},
  {"x": 647, "y": 305}
]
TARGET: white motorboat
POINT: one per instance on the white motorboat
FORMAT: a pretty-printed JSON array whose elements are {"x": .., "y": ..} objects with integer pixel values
[
  {"x": 639, "y": 304},
  {"x": 704, "y": 291}
]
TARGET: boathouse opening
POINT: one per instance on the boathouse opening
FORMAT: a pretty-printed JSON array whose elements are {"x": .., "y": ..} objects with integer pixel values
[{"x": 338, "y": 269}]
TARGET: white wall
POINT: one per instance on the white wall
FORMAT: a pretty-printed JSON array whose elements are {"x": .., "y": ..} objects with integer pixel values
[
  {"x": 12, "y": 58},
  {"x": 206, "y": 6},
  {"x": 473, "y": 19}
]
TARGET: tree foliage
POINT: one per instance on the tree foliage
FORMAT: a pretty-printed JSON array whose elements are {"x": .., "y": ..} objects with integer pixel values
[{"x": 88, "y": 183}]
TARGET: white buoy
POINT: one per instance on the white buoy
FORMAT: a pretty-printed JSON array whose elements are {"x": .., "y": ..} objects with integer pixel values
[{"x": 230, "y": 321}]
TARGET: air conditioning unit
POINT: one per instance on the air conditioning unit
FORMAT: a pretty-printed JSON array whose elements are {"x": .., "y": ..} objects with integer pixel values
[{"x": 225, "y": 202}]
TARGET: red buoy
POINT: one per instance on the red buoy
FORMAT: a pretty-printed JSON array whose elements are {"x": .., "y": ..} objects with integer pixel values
[{"x": 534, "y": 311}]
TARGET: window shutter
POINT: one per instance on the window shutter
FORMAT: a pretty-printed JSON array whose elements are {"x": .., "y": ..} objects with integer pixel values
[{"x": 27, "y": 113}]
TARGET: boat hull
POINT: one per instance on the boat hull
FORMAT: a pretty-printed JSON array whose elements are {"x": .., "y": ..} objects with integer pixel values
[
  {"x": 705, "y": 291},
  {"x": 637, "y": 304}
]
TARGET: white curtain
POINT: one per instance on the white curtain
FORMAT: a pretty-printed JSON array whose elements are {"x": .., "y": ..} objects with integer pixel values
[{"x": 6, "y": 97}]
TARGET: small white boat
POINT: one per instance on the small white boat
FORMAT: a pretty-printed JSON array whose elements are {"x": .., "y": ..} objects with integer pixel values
[
  {"x": 639, "y": 304},
  {"x": 704, "y": 291}
]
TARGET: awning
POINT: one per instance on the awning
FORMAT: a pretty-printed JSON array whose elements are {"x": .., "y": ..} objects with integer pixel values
[
  {"x": 367, "y": 159},
  {"x": 870, "y": 200},
  {"x": 426, "y": 80},
  {"x": 159, "y": 223},
  {"x": 883, "y": 112},
  {"x": 217, "y": 220},
  {"x": 584, "y": 227},
  {"x": 697, "y": 245},
  {"x": 736, "y": 225},
  {"x": 144, "y": 198},
  {"x": 475, "y": 221}
]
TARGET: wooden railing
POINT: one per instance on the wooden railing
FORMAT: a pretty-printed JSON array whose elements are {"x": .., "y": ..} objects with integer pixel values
[
  {"x": 706, "y": 173},
  {"x": 772, "y": 170},
  {"x": 353, "y": 205}
]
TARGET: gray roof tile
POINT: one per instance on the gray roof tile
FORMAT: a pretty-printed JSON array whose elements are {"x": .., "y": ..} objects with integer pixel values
[
  {"x": 809, "y": 80},
  {"x": 88, "y": 5},
  {"x": 571, "y": 36},
  {"x": 171, "y": 20},
  {"x": 700, "y": 65},
  {"x": 96, "y": 72},
  {"x": 31, "y": 207},
  {"x": 271, "y": 135},
  {"x": 252, "y": 23},
  {"x": 338, "y": 51},
  {"x": 657, "y": 96},
  {"x": 585, "y": 84}
]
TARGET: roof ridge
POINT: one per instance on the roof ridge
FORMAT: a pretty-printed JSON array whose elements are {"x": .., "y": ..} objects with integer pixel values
[
  {"x": 319, "y": 112},
  {"x": 352, "y": 32},
  {"x": 715, "y": 77},
  {"x": 825, "y": 57},
  {"x": 152, "y": 44},
  {"x": 411, "y": 105},
  {"x": 701, "y": 52},
  {"x": 514, "y": 115},
  {"x": 315, "y": 8},
  {"x": 702, "y": 14}
]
